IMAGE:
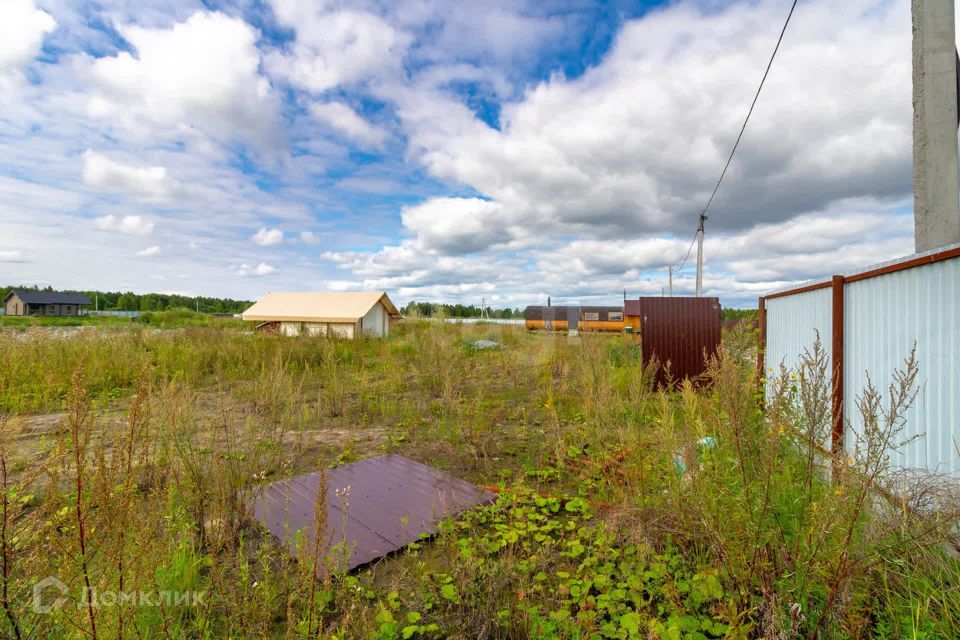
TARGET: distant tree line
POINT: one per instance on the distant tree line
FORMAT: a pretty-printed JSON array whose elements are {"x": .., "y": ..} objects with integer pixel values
[
  {"x": 129, "y": 301},
  {"x": 435, "y": 310},
  {"x": 738, "y": 314}
]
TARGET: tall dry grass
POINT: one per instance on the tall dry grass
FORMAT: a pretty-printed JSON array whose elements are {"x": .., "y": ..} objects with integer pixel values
[{"x": 161, "y": 437}]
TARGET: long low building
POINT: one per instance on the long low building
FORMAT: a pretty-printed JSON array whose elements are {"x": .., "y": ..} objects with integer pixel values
[
  {"x": 574, "y": 318},
  {"x": 25, "y": 302},
  {"x": 340, "y": 314}
]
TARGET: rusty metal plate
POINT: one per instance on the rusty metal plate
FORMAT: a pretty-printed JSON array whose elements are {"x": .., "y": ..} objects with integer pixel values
[{"x": 373, "y": 507}]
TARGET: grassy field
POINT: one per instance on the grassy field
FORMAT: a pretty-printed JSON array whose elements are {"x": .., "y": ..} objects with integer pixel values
[
  {"x": 623, "y": 512},
  {"x": 22, "y": 323},
  {"x": 171, "y": 319}
]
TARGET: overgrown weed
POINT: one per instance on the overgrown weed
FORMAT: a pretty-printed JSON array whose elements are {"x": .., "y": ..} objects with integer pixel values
[{"x": 623, "y": 511}]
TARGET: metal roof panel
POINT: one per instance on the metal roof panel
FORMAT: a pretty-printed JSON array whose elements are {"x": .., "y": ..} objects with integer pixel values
[
  {"x": 390, "y": 502},
  {"x": 49, "y": 297},
  {"x": 318, "y": 306}
]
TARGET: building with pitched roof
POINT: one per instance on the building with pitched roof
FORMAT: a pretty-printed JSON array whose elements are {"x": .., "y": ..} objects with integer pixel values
[
  {"x": 26, "y": 302},
  {"x": 342, "y": 314}
]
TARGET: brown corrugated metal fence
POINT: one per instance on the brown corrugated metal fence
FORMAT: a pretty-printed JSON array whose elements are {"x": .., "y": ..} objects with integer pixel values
[{"x": 683, "y": 332}]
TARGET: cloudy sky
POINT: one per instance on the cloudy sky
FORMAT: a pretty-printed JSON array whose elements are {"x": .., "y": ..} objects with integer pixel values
[{"x": 447, "y": 150}]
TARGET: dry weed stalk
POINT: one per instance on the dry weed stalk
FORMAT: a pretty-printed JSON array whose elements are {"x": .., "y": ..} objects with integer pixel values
[
  {"x": 312, "y": 559},
  {"x": 123, "y": 505},
  {"x": 881, "y": 433},
  {"x": 79, "y": 429},
  {"x": 10, "y": 512}
]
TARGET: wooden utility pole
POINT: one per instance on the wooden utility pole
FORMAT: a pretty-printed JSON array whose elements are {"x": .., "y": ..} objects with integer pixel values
[
  {"x": 935, "y": 181},
  {"x": 670, "y": 281}
]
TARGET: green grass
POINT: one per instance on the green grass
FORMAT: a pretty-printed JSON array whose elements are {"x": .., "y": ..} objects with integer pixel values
[
  {"x": 594, "y": 534},
  {"x": 180, "y": 318},
  {"x": 170, "y": 319},
  {"x": 24, "y": 322}
]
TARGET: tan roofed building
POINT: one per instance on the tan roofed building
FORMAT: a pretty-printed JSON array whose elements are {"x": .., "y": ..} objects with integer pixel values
[{"x": 342, "y": 314}]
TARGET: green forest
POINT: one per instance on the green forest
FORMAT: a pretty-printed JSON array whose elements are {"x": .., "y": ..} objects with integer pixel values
[{"x": 436, "y": 310}]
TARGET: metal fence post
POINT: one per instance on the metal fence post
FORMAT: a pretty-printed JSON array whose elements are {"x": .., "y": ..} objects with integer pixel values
[
  {"x": 761, "y": 348},
  {"x": 836, "y": 443}
]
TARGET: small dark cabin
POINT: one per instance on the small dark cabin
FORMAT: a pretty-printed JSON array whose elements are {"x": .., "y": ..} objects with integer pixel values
[{"x": 21, "y": 302}]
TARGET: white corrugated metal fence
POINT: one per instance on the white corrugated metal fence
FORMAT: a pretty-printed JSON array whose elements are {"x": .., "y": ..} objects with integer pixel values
[{"x": 886, "y": 310}]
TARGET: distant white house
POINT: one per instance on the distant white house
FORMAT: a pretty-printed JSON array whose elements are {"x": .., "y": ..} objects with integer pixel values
[{"x": 343, "y": 314}]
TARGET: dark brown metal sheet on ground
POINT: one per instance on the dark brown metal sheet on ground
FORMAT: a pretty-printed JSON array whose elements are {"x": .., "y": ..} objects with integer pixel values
[{"x": 373, "y": 506}]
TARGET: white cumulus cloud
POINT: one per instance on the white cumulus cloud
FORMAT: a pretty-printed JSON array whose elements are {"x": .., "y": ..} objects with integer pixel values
[
  {"x": 457, "y": 225},
  {"x": 634, "y": 145},
  {"x": 349, "y": 123},
  {"x": 134, "y": 225},
  {"x": 149, "y": 252},
  {"x": 22, "y": 29},
  {"x": 309, "y": 237},
  {"x": 267, "y": 237},
  {"x": 261, "y": 269},
  {"x": 334, "y": 47},
  {"x": 11, "y": 256},
  {"x": 201, "y": 73},
  {"x": 150, "y": 183}
]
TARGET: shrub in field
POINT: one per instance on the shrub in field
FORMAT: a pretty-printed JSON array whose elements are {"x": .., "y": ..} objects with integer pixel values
[{"x": 798, "y": 550}]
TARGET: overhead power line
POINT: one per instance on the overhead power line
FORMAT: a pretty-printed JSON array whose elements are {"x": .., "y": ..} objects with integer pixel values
[
  {"x": 692, "y": 242},
  {"x": 752, "y": 105},
  {"x": 703, "y": 212}
]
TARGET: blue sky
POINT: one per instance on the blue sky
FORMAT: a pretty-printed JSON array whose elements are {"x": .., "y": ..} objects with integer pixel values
[{"x": 448, "y": 151}]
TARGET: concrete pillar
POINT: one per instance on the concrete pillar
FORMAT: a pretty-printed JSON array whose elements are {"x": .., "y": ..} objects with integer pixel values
[
  {"x": 700, "y": 256},
  {"x": 935, "y": 182}
]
